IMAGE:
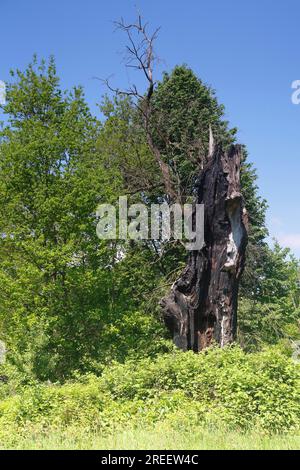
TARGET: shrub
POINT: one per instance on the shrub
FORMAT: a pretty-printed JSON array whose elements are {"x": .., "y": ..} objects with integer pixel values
[{"x": 229, "y": 386}]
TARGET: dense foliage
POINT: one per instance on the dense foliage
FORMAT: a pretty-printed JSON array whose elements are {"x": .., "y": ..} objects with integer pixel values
[
  {"x": 218, "y": 387},
  {"x": 71, "y": 305}
]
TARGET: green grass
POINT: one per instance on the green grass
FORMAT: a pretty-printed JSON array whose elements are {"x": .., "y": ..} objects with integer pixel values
[{"x": 158, "y": 438}]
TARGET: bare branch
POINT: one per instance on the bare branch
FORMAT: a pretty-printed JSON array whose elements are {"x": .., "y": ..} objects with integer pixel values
[
  {"x": 140, "y": 55},
  {"x": 141, "y": 48},
  {"x": 130, "y": 92}
]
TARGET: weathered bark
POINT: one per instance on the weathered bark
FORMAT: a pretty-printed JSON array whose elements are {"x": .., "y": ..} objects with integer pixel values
[{"x": 202, "y": 305}]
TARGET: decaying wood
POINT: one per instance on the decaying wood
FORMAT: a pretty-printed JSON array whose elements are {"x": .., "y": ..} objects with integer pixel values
[{"x": 202, "y": 305}]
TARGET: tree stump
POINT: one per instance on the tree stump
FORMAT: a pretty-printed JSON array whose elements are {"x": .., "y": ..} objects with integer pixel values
[{"x": 202, "y": 305}]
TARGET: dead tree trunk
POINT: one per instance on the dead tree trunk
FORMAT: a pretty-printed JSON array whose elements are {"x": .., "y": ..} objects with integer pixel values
[{"x": 202, "y": 305}]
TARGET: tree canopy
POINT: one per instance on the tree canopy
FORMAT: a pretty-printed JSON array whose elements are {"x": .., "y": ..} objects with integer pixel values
[{"x": 68, "y": 301}]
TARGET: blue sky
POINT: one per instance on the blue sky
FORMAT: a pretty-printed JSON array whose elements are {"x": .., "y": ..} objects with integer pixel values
[{"x": 248, "y": 51}]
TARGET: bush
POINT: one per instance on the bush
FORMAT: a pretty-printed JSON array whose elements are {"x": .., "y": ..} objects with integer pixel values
[{"x": 184, "y": 389}]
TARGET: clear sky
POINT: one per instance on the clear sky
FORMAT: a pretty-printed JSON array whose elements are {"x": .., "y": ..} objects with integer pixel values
[{"x": 247, "y": 50}]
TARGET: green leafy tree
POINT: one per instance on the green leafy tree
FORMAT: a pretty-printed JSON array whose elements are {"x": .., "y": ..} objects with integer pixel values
[
  {"x": 60, "y": 294},
  {"x": 272, "y": 313},
  {"x": 183, "y": 111}
]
